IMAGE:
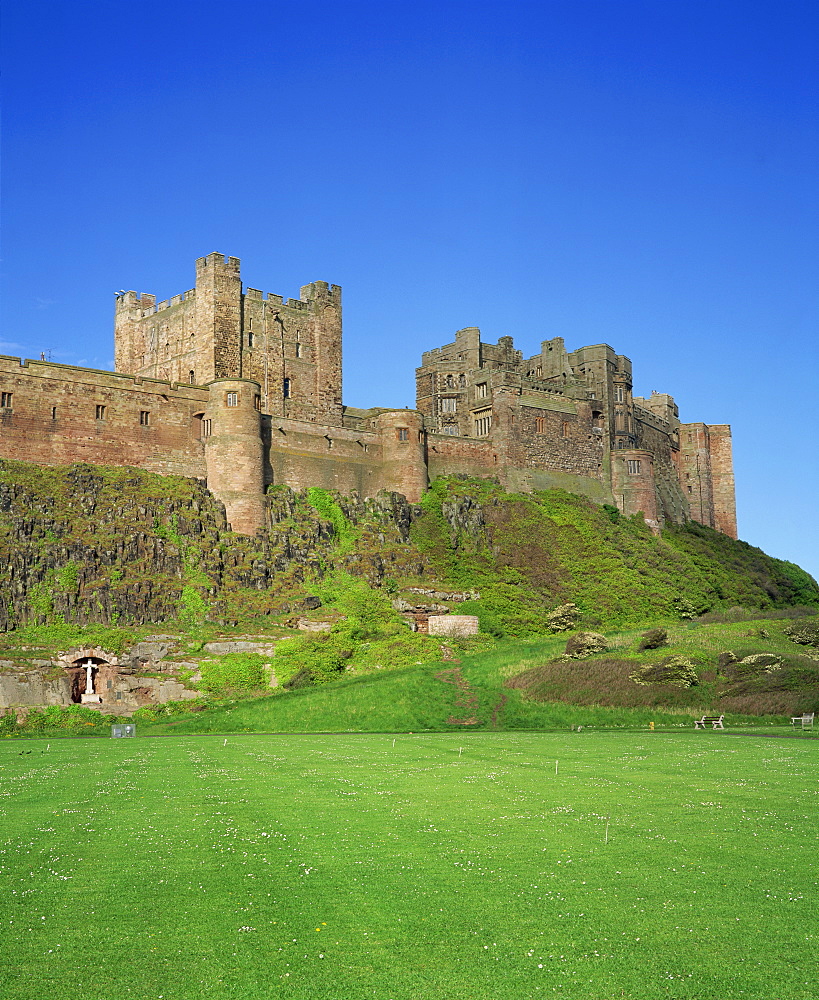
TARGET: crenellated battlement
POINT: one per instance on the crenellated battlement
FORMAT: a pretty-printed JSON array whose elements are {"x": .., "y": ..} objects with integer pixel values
[{"x": 214, "y": 260}]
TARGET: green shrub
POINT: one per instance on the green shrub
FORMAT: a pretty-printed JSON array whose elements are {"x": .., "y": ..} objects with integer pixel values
[
  {"x": 192, "y": 608},
  {"x": 315, "y": 658},
  {"x": 233, "y": 673},
  {"x": 67, "y": 578},
  {"x": 329, "y": 508}
]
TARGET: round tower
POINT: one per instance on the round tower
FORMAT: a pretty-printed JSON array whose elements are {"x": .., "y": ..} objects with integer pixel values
[
  {"x": 403, "y": 452},
  {"x": 233, "y": 451}
]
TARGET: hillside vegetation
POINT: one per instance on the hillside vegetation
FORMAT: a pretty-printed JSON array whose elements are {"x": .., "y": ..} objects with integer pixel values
[
  {"x": 122, "y": 546},
  {"x": 105, "y": 556}
]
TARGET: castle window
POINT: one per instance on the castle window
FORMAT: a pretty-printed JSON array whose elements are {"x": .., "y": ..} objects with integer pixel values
[
  {"x": 480, "y": 390},
  {"x": 206, "y": 425},
  {"x": 257, "y": 402},
  {"x": 191, "y": 377},
  {"x": 53, "y": 412},
  {"x": 250, "y": 340},
  {"x": 619, "y": 394},
  {"x": 144, "y": 417},
  {"x": 451, "y": 429},
  {"x": 540, "y": 425},
  {"x": 539, "y": 371},
  {"x": 450, "y": 382},
  {"x": 690, "y": 489},
  {"x": 483, "y": 422},
  {"x": 5, "y": 399},
  {"x": 100, "y": 412},
  {"x": 462, "y": 381},
  {"x": 403, "y": 434},
  {"x": 564, "y": 429},
  {"x": 298, "y": 349},
  {"x": 448, "y": 404},
  {"x": 232, "y": 399},
  {"x": 633, "y": 466},
  {"x": 286, "y": 388}
]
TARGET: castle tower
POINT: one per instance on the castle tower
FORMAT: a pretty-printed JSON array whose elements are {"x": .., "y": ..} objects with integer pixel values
[
  {"x": 722, "y": 479},
  {"x": 624, "y": 436},
  {"x": 403, "y": 453},
  {"x": 218, "y": 318},
  {"x": 707, "y": 475},
  {"x": 233, "y": 451},
  {"x": 129, "y": 347}
]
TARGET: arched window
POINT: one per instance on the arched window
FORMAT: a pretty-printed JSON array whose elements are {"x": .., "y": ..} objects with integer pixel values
[
  {"x": 286, "y": 388},
  {"x": 191, "y": 377}
]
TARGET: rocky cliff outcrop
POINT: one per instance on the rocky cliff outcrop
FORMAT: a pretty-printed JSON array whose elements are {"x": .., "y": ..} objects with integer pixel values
[{"x": 121, "y": 545}]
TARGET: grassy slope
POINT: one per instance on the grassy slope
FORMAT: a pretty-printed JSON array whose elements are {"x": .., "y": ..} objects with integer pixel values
[
  {"x": 424, "y": 697},
  {"x": 304, "y": 867},
  {"x": 542, "y": 548}
]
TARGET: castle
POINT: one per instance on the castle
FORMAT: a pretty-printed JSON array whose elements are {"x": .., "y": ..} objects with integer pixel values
[{"x": 243, "y": 389}]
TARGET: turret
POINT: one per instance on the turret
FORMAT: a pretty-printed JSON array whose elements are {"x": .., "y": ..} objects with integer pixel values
[
  {"x": 233, "y": 451},
  {"x": 403, "y": 453}
]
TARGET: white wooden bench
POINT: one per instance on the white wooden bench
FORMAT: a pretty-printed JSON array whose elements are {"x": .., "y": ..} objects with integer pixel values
[
  {"x": 806, "y": 720},
  {"x": 714, "y": 721}
]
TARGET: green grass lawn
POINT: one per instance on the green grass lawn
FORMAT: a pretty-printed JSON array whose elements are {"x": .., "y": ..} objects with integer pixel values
[{"x": 465, "y": 865}]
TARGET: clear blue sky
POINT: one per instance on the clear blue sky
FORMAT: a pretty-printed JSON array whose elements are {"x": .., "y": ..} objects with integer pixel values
[{"x": 637, "y": 173}]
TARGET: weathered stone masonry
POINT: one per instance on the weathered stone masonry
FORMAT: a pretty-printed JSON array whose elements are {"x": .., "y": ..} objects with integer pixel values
[{"x": 243, "y": 389}]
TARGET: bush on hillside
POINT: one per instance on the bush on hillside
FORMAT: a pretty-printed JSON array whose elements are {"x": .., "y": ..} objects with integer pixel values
[
  {"x": 585, "y": 644},
  {"x": 677, "y": 671},
  {"x": 653, "y": 639},
  {"x": 233, "y": 673},
  {"x": 563, "y": 619},
  {"x": 758, "y": 663},
  {"x": 726, "y": 658},
  {"x": 805, "y": 633}
]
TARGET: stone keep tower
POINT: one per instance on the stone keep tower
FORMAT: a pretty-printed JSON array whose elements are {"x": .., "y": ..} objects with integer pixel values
[
  {"x": 217, "y": 330},
  {"x": 255, "y": 353}
]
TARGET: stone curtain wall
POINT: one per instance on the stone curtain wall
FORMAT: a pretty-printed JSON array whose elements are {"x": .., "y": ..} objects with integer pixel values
[
  {"x": 55, "y": 419},
  {"x": 556, "y": 435}
]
